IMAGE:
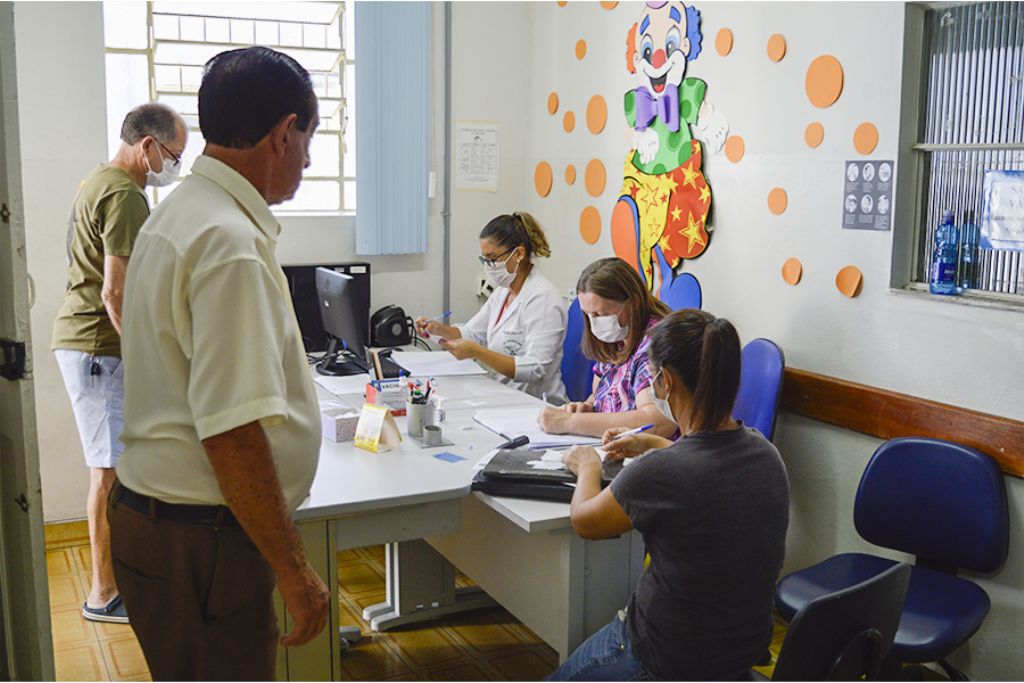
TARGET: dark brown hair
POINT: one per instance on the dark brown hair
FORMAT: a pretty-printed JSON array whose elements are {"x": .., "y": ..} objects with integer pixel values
[
  {"x": 615, "y": 280},
  {"x": 704, "y": 352},
  {"x": 511, "y": 230}
]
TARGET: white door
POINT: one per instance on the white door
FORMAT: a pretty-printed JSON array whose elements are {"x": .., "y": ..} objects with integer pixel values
[{"x": 26, "y": 646}]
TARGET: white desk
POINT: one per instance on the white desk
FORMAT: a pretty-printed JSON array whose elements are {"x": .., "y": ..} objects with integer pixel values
[{"x": 524, "y": 553}]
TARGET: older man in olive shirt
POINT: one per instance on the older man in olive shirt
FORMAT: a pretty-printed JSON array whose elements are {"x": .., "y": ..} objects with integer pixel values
[{"x": 105, "y": 219}]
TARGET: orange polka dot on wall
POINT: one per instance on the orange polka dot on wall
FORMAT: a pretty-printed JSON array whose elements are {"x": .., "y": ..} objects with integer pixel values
[
  {"x": 723, "y": 42},
  {"x": 776, "y": 47},
  {"x": 568, "y": 122},
  {"x": 865, "y": 138},
  {"x": 553, "y": 103},
  {"x": 594, "y": 178},
  {"x": 609, "y": 5},
  {"x": 581, "y": 49},
  {"x": 562, "y": 3},
  {"x": 777, "y": 201},
  {"x": 735, "y": 148},
  {"x": 597, "y": 114},
  {"x": 590, "y": 225},
  {"x": 543, "y": 178},
  {"x": 570, "y": 174},
  {"x": 792, "y": 271},
  {"x": 814, "y": 134},
  {"x": 824, "y": 82},
  {"x": 849, "y": 281}
]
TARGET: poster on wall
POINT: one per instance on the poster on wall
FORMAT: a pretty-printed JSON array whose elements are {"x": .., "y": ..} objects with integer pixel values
[
  {"x": 1002, "y": 217},
  {"x": 867, "y": 195},
  {"x": 476, "y": 156},
  {"x": 661, "y": 216}
]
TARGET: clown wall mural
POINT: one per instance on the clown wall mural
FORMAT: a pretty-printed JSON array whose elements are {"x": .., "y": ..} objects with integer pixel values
[{"x": 661, "y": 216}]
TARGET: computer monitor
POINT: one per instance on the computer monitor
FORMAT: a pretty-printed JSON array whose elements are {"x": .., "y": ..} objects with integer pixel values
[{"x": 345, "y": 352}]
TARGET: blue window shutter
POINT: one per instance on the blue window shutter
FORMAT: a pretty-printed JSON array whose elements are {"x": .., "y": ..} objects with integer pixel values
[{"x": 392, "y": 135}]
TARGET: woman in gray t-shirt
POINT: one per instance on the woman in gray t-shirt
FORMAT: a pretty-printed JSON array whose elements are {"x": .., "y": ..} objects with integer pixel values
[{"x": 712, "y": 507}]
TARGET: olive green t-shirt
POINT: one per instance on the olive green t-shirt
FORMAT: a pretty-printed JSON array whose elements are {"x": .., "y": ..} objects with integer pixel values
[{"x": 106, "y": 217}]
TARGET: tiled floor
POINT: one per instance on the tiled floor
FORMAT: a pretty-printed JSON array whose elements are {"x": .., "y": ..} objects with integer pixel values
[
  {"x": 478, "y": 646},
  {"x": 483, "y": 645}
]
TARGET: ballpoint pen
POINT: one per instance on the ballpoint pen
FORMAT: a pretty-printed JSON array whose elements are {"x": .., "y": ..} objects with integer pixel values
[{"x": 632, "y": 432}]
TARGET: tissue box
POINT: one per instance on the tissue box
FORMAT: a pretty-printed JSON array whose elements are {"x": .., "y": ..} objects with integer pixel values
[{"x": 339, "y": 424}]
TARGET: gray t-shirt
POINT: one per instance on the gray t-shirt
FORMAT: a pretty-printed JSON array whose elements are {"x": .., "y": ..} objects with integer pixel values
[{"x": 713, "y": 510}]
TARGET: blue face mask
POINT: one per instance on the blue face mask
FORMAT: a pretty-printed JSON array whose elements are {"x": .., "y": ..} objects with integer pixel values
[{"x": 661, "y": 403}]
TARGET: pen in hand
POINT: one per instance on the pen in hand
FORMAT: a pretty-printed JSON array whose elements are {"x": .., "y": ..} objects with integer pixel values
[{"x": 631, "y": 432}]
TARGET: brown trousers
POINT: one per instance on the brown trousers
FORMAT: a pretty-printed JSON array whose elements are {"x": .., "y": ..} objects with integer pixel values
[{"x": 199, "y": 599}]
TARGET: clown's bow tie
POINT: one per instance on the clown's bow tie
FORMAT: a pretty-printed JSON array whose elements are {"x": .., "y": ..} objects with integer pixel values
[{"x": 650, "y": 107}]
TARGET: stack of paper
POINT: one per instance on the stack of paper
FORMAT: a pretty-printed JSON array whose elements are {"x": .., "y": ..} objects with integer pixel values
[
  {"x": 514, "y": 422},
  {"x": 435, "y": 364},
  {"x": 343, "y": 386}
]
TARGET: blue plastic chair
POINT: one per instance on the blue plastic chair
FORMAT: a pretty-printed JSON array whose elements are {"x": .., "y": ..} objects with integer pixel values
[
  {"x": 677, "y": 291},
  {"x": 757, "y": 400},
  {"x": 577, "y": 369},
  {"x": 942, "y": 502}
]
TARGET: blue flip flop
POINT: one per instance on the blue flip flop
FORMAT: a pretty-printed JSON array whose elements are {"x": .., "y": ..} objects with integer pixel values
[{"x": 112, "y": 613}]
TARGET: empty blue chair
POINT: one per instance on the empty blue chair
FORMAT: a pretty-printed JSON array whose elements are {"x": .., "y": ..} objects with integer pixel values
[
  {"x": 942, "y": 502},
  {"x": 757, "y": 400},
  {"x": 845, "y": 635},
  {"x": 677, "y": 291},
  {"x": 577, "y": 369}
]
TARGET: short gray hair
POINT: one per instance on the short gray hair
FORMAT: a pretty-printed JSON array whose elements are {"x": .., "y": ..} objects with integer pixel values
[{"x": 153, "y": 118}]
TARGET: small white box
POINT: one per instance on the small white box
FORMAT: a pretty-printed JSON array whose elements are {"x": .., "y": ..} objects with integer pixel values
[{"x": 339, "y": 424}]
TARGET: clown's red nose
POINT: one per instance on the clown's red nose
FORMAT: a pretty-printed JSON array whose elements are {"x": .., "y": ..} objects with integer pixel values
[{"x": 658, "y": 59}]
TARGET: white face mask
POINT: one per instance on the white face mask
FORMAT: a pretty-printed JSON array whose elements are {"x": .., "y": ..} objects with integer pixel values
[
  {"x": 607, "y": 328},
  {"x": 164, "y": 177},
  {"x": 662, "y": 403},
  {"x": 498, "y": 274}
]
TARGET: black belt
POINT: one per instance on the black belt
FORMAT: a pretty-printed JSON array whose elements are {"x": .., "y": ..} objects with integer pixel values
[{"x": 203, "y": 515}]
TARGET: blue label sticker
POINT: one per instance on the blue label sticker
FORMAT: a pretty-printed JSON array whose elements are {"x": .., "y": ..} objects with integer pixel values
[{"x": 448, "y": 457}]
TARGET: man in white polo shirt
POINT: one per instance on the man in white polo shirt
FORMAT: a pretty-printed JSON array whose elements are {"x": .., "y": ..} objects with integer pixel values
[{"x": 221, "y": 432}]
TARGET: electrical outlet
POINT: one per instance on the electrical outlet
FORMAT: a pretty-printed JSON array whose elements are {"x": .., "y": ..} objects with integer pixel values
[{"x": 484, "y": 288}]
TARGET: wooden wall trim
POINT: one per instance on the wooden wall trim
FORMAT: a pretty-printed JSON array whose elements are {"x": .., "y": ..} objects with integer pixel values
[{"x": 886, "y": 414}]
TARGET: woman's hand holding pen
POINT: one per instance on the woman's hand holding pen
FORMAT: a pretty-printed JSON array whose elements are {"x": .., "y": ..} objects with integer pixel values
[
  {"x": 426, "y": 327},
  {"x": 554, "y": 420},
  {"x": 618, "y": 447}
]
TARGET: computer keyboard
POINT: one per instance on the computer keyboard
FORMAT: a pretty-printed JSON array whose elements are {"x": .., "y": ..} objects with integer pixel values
[{"x": 390, "y": 368}]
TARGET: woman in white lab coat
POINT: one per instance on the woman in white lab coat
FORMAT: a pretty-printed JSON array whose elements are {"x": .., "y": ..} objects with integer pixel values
[{"x": 518, "y": 333}]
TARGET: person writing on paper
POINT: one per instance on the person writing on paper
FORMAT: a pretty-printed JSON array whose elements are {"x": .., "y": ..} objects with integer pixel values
[
  {"x": 518, "y": 333},
  {"x": 618, "y": 313},
  {"x": 712, "y": 508}
]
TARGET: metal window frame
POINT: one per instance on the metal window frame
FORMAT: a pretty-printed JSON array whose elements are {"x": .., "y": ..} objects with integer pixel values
[
  {"x": 343, "y": 58},
  {"x": 921, "y": 142}
]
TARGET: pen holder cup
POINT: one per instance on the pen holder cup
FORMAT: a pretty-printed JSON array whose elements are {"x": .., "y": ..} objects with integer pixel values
[
  {"x": 416, "y": 416},
  {"x": 432, "y": 435}
]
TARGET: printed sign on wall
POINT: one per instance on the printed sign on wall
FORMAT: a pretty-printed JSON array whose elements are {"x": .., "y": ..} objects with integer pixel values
[{"x": 867, "y": 195}]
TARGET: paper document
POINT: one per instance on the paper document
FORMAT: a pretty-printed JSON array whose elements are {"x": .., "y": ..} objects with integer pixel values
[
  {"x": 340, "y": 386},
  {"x": 435, "y": 364},
  {"x": 513, "y": 422}
]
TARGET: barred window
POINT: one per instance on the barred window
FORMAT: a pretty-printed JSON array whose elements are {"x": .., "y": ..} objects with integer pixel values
[
  {"x": 972, "y": 122},
  {"x": 155, "y": 51}
]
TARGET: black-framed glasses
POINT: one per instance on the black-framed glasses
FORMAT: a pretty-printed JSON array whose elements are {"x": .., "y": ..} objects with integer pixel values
[
  {"x": 177, "y": 159},
  {"x": 491, "y": 262}
]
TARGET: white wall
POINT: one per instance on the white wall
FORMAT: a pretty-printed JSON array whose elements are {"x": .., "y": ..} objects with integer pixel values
[
  {"x": 489, "y": 84},
  {"x": 63, "y": 136}
]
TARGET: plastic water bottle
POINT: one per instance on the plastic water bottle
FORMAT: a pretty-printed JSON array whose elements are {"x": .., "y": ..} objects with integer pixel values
[
  {"x": 943, "y": 275},
  {"x": 968, "y": 251}
]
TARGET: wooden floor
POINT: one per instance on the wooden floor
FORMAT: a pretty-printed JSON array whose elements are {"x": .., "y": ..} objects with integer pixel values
[{"x": 487, "y": 645}]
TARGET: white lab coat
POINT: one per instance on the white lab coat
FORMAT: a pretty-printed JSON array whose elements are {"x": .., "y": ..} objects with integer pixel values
[{"x": 532, "y": 329}]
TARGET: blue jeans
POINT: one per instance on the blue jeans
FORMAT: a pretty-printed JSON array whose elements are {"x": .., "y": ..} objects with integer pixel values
[{"x": 604, "y": 656}]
